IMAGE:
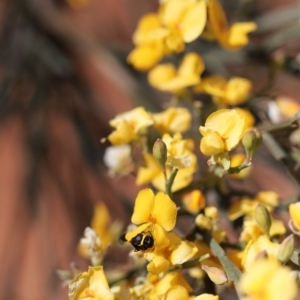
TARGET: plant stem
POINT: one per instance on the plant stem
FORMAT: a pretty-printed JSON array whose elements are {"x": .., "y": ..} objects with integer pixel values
[{"x": 170, "y": 181}]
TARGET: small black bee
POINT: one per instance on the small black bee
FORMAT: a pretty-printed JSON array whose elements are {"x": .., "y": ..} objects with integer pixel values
[{"x": 141, "y": 242}]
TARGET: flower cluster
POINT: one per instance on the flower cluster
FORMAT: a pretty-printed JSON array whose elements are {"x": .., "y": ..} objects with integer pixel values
[{"x": 234, "y": 237}]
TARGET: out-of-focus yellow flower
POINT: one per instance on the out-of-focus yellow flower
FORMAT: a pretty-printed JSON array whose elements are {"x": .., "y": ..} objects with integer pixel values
[
  {"x": 252, "y": 231},
  {"x": 166, "y": 78},
  {"x": 268, "y": 280},
  {"x": 149, "y": 40},
  {"x": 262, "y": 246},
  {"x": 222, "y": 132},
  {"x": 246, "y": 206},
  {"x": 170, "y": 280},
  {"x": 172, "y": 120},
  {"x": 225, "y": 91},
  {"x": 90, "y": 285},
  {"x": 294, "y": 210},
  {"x": 177, "y": 22},
  {"x": 155, "y": 213},
  {"x": 194, "y": 201},
  {"x": 179, "y": 155},
  {"x": 282, "y": 108},
  {"x": 129, "y": 125},
  {"x": 98, "y": 237},
  {"x": 230, "y": 37},
  {"x": 209, "y": 221},
  {"x": 186, "y": 19},
  {"x": 205, "y": 297},
  {"x": 235, "y": 161}
]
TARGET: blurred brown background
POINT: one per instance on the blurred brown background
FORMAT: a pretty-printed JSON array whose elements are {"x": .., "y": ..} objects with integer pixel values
[{"x": 63, "y": 75}]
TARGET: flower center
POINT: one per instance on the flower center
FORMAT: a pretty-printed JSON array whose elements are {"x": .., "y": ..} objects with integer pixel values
[
  {"x": 90, "y": 293},
  {"x": 152, "y": 218}
]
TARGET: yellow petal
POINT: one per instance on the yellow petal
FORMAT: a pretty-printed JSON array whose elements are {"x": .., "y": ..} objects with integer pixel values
[
  {"x": 237, "y": 90},
  {"x": 217, "y": 18},
  {"x": 145, "y": 57},
  {"x": 192, "y": 63},
  {"x": 237, "y": 35},
  {"x": 122, "y": 135},
  {"x": 144, "y": 205},
  {"x": 194, "y": 21},
  {"x": 161, "y": 240},
  {"x": 176, "y": 293},
  {"x": 183, "y": 252},
  {"x": 157, "y": 265},
  {"x": 161, "y": 74},
  {"x": 212, "y": 144},
  {"x": 294, "y": 210},
  {"x": 164, "y": 211},
  {"x": 146, "y": 24},
  {"x": 151, "y": 170}
]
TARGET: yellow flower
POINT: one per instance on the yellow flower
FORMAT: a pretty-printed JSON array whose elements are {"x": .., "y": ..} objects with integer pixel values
[
  {"x": 184, "y": 18},
  {"x": 294, "y": 210},
  {"x": 179, "y": 155},
  {"x": 194, "y": 201},
  {"x": 222, "y": 132},
  {"x": 165, "y": 77},
  {"x": 90, "y": 285},
  {"x": 173, "y": 119},
  {"x": 149, "y": 40},
  {"x": 224, "y": 91},
  {"x": 246, "y": 206},
  {"x": 230, "y": 37},
  {"x": 129, "y": 125},
  {"x": 177, "y": 22},
  {"x": 177, "y": 252},
  {"x": 154, "y": 213},
  {"x": 268, "y": 280},
  {"x": 256, "y": 248},
  {"x": 252, "y": 231}
]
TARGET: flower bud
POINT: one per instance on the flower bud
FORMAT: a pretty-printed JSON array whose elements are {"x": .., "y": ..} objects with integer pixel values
[
  {"x": 263, "y": 218},
  {"x": 286, "y": 249},
  {"x": 216, "y": 275},
  {"x": 160, "y": 152},
  {"x": 251, "y": 141}
]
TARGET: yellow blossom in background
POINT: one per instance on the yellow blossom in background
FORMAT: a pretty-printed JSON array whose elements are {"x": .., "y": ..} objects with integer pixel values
[
  {"x": 294, "y": 210},
  {"x": 246, "y": 206},
  {"x": 261, "y": 247},
  {"x": 170, "y": 280},
  {"x": 155, "y": 213},
  {"x": 178, "y": 22},
  {"x": 222, "y": 132},
  {"x": 252, "y": 231},
  {"x": 149, "y": 40},
  {"x": 172, "y": 120},
  {"x": 230, "y": 37},
  {"x": 194, "y": 201},
  {"x": 225, "y": 91},
  {"x": 185, "y": 19},
  {"x": 129, "y": 125},
  {"x": 90, "y": 285},
  {"x": 166, "y": 78},
  {"x": 268, "y": 280}
]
